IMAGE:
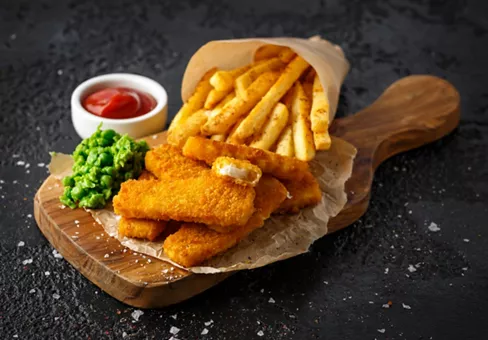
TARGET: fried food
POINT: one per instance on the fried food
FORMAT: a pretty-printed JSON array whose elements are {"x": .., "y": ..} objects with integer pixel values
[
  {"x": 207, "y": 199},
  {"x": 224, "y": 80},
  {"x": 254, "y": 121},
  {"x": 141, "y": 228},
  {"x": 302, "y": 135},
  {"x": 167, "y": 161},
  {"x": 191, "y": 127},
  {"x": 240, "y": 171},
  {"x": 221, "y": 122},
  {"x": 246, "y": 79},
  {"x": 146, "y": 175},
  {"x": 319, "y": 116},
  {"x": 194, "y": 243},
  {"x": 279, "y": 166},
  {"x": 285, "y": 146},
  {"x": 267, "y": 52},
  {"x": 304, "y": 193},
  {"x": 194, "y": 103},
  {"x": 272, "y": 129}
]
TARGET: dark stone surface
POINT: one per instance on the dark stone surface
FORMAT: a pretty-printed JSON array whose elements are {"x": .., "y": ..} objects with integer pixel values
[{"x": 336, "y": 291}]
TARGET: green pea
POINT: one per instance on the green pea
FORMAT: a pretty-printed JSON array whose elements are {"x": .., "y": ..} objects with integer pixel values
[{"x": 106, "y": 181}]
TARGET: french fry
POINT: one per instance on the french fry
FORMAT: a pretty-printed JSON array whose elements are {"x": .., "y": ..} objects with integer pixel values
[
  {"x": 268, "y": 52},
  {"x": 308, "y": 89},
  {"x": 256, "y": 118},
  {"x": 195, "y": 102},
  {"x": 272, "y": 129},
  {"x": 219, "y": 138},
  {"x": 224, "y": 80},
  {"x": 246, "y": 79},
  {"x": 214, "y": 97},
  {"x": 285, "y": 146},
  {"x": 220, "y": 105},
  {"x": 286, "y": 55},
  {"x": 309, "y": 76},
  {"x": 220, "y": 122},
  {"x": 302, "y": 135},
  {"x": 230, "y": 138},
  {"x": 322, "y": 140},
  {"x": 191, "y": 127},
  {"x": 319, "y": 116}
]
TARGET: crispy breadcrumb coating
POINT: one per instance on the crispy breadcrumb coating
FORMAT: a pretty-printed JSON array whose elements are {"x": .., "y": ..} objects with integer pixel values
[
  {"x": 304, "y": 193},
  {"x": 207, "y": 199},
  {"x": 141, "y": 228},
  {"x": 194, "y": 243},
  {"x": 282, "y": 167}
]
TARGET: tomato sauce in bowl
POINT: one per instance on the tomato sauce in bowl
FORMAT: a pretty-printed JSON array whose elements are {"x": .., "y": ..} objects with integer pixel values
[{"x": 119, "y": 103}]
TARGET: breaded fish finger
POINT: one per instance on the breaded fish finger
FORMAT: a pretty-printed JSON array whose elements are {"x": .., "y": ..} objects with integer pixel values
[
  {"x": 194, "y": 243},
  {"x": 304, "y": 193},
  {"x": 140, "y": 228},
  {"x": 207, "y": 199},
  {"x": 240, "y": 171},
  {"x": 282, "y": 167},
  {"x": 168, "y": 161}
]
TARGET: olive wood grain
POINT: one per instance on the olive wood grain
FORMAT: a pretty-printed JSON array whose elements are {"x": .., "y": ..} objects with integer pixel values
[{"x": 412, "y": 112}]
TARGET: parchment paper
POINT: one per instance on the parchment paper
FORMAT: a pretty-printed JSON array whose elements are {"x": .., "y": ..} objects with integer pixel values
[{"x": 282, "y": 236}]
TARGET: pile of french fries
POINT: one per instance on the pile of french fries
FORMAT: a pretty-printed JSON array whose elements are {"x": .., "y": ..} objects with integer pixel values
[{"x": 276, "y": 103}]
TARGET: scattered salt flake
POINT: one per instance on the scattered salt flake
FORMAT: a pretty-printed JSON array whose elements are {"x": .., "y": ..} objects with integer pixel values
[
  {"x": 40, "y": 165},
  {"x": 21, "y": 163},
  {"x": 411, "y": 268},
  {"x": 386, "y": 305},
  {"x": 56, "y": 254},
  {"x": 60, "y": 72},
  {"x": 271, "y": 300},
  {"x": 174, "y": 316},
  {"x": 98, "y": 237},
  {"x": 32, "y": 291},
  {"x": 326, "y": 282},
  {"x": 371, "y": 302},
  {"x": 56, "y": 318},
  {"x": 154, "y": 136},
  {"x": 260, "y": 333},
  {"x": 47, "y": 273},
  {"x": 174, "y": 330},
  {"x": 465, "y": 268},
  {"x": 204, "y": 332},
  {"x": 387, "y": 270},
  {"x": 382, "y": 330},
  {"x": 63, "y": 206},
  {"x": 77, "y": 222},
  {"x": 29, "y": 216},
  {"x": 262, "y": 291},
  {"x": 406, "y": 306},
  {"x": 137, "y": 314},
  {"x": 208, "y": 323},
  {"x": 27, "y": 165},
  {"x": 56, "y": 296},
  {"x": 15, "y": 336},
  {"x": 28, "y": 261},
  {"x": 466, "y": 240},
  {"x": 124, "y": 334},
  {"x": 433, "y": 227},
  {"x": 106, "y": 256},
  {"x": 148, "y": 260},
  {"x": 21, "y": 244}
]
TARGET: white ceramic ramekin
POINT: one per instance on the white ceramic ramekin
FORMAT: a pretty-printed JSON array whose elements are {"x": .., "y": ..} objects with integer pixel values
[{"x": 152, "y": 122}]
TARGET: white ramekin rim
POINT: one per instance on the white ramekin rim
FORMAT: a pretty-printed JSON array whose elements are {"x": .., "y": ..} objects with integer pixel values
[{"x": 149, "y": 86}]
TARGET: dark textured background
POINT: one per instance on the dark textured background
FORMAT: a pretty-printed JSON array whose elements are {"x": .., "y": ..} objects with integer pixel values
[{"x": 337, "y": 290}]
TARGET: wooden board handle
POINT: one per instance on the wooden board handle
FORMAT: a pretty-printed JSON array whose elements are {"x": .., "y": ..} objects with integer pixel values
[{"x": 413, "y": 111}]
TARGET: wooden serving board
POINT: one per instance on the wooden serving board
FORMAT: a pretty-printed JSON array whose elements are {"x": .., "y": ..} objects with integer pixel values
[{"x": 414, "y": 111}]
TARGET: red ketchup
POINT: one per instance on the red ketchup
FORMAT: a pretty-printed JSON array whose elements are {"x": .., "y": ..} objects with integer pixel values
[{"x": 119, "y": 103}]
